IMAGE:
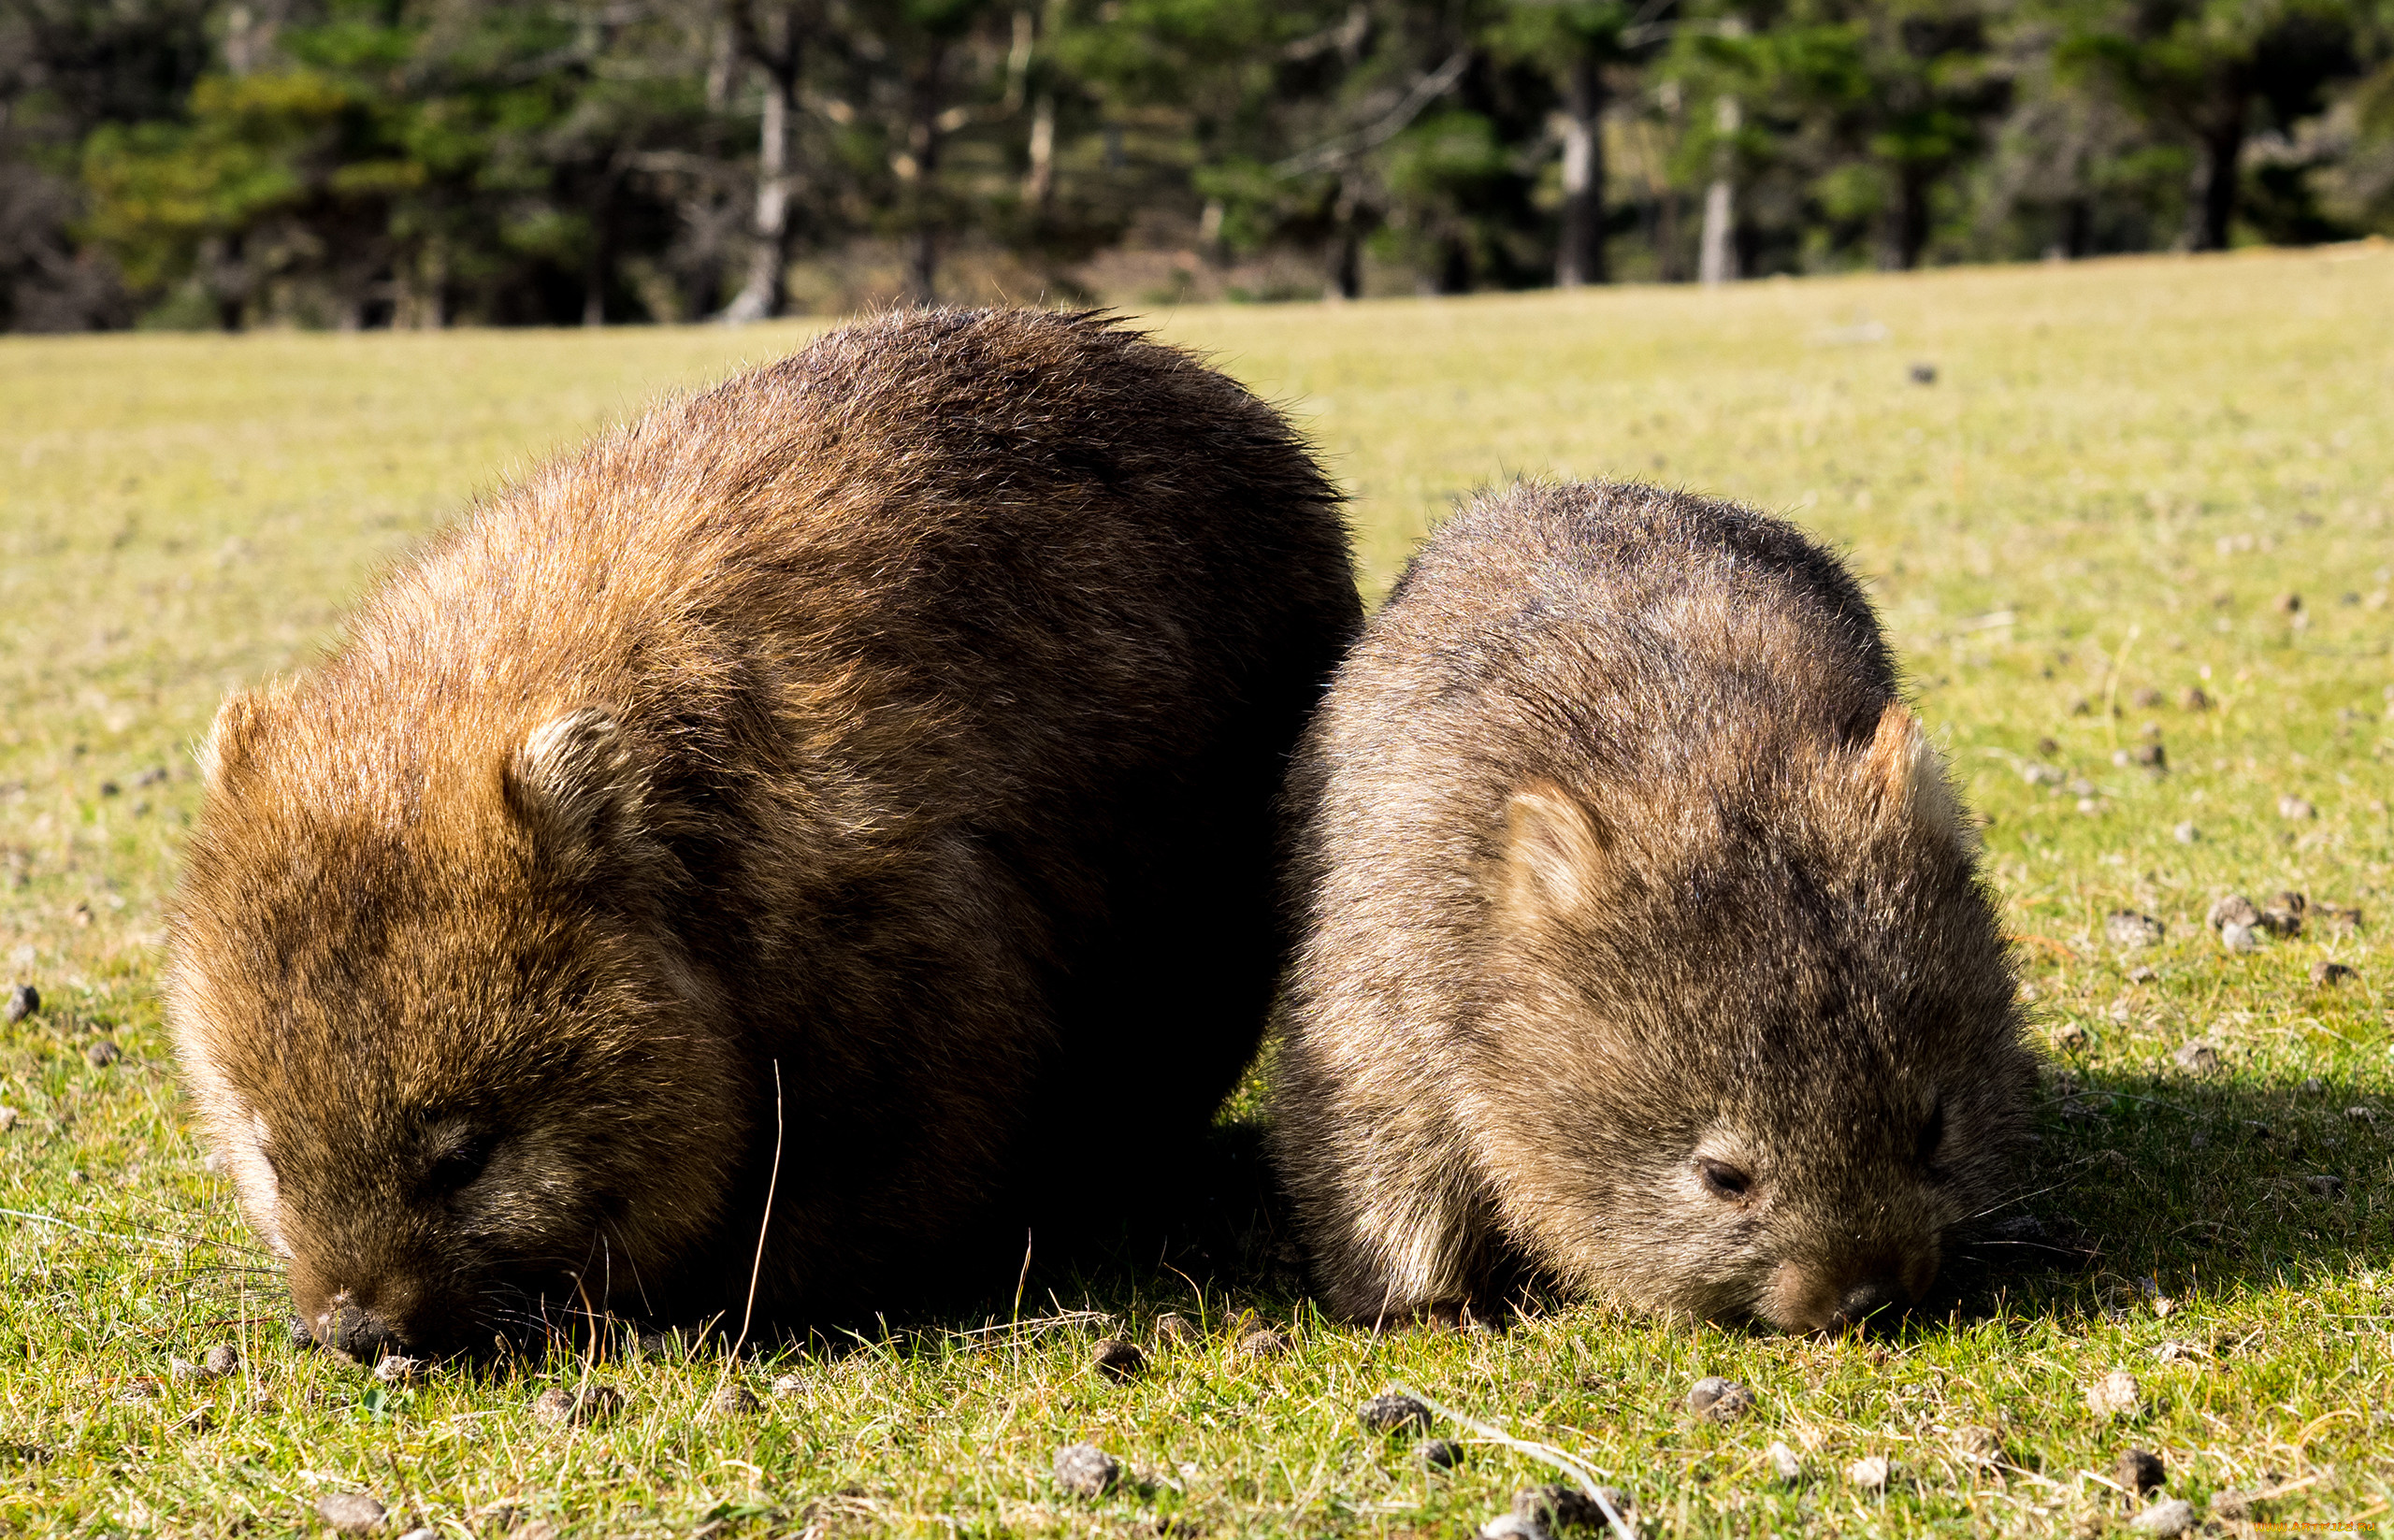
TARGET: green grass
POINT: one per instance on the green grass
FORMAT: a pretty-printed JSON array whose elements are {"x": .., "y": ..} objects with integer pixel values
[{"x": 2118, "y": 469}]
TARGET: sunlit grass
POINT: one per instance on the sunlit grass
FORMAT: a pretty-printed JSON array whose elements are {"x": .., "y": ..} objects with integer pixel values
[{"x": 2119, "y": 472}]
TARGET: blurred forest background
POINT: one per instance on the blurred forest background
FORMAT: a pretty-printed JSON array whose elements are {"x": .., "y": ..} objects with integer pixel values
[{"x": 425, "y": 163}]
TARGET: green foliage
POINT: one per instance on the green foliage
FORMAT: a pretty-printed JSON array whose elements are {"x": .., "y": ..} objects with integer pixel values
[{"x": 419, "y": 162}]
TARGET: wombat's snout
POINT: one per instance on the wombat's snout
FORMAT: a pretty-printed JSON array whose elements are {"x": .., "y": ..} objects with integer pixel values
[
  {"x": 346, "y": 1328},
  {"x": 1872, "y": 1297}
]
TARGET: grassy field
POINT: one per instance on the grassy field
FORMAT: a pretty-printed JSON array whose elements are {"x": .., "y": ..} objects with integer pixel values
[{"x": 2126, "y": 482}]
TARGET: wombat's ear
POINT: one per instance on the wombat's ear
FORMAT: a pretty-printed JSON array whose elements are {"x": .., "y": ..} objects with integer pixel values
[
  {"x": 1902, "y": 770},
  {"x": 229, "y": 738},
  {"x": 1555, "y": 852},
  {"x": 575, "y": 782}
]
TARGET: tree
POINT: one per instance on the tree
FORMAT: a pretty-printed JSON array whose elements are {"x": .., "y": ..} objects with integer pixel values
[
  {"x": 1583, "y": 42},
  {"x": 2208, "y": 69}
]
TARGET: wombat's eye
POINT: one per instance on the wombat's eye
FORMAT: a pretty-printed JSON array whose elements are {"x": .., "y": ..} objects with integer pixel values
[
  {"x": 1932, "y": 1134},
  {"x": 1724, "y": 1180},
  {"x": 459, "y": 1161}
]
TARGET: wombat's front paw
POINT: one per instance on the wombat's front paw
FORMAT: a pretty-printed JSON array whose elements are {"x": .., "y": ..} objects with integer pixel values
[{"x": 1452, "y": 1315}]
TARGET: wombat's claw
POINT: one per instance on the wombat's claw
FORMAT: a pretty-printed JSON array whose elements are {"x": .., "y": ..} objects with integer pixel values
[{"x": 1452, "y": 1315}]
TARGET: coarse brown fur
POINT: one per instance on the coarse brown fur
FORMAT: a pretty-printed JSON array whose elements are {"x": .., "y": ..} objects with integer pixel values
[
  {"x": 1644, "y": 945},
  {"x": 872, "y": 757}
]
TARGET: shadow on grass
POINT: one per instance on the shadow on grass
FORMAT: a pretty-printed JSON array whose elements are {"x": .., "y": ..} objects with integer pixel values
[
  {"x": 2172, "y": 1184},
  {"x": 2136, "y": 1184}
]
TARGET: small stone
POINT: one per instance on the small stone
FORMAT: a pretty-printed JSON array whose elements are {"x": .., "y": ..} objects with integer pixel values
[
  {"x": 2237, "y": 938},
  {"x": 2283, "y": 914},
  {"x": 1870, "y": 1473},
  {"x": 653, "y": 1345},
  {"x": 2127, "y": 928},
  {"x": 2232, "y": 908},
  {"x": 1439, "y": 1454},
  {"x": 578, "y": 1405},
  {"x": 2362, "y": 1115},
  {"x": 349, "y": 1513},
  {"x": 2287, "y": 604},
  {"x": 2117, "y": 1394},
  {"x": 2197, "y": 1058},
  {"x": 1980, "y": 1445},
  {"x": 2041, "y": 775},
  {"x": 1084, "y": 1469},
  {"x": 1923, "y": 374},
  {"x": 1721, "y": 1399},
  {"x": 2139, "y": 1471},
  {"x": 2150, "y": 756},
  {"x": 1391, "y": 1412},
  {"x": 1784, "y": 1464},
  {"x": 2172, "y": 1516},
  {"x": 1261, "y": 1343},
  {"x": 2232, "y": 1506},
  {"x": 102, "y": 1053},
  {"x": 24, "y": 1000},
  {"x": 1507, "y": 1526},
  {"x": 1557, "y": 1507},
  {"x": 788, "y": 1385},
  {"x": 2195, "y": 699},
  {"x": 1117, "y": 1359},
  {"x": 2322, "y": 1185},
  {"x": 2337, "y": 919},
  {"x": 297, "y": 1330},
  {"x": 732, "y": 1401},
  {"x": 220, "y": 1360},
  {"x": 2146, "y": 698},
  {"x": 2186, "y": 834},
  {"x": 2324, "y": 972},
  {"x": 398, "y": 1368},
  {"x": 2296, "y": 808},
  {"x": 1175, "y": 1330}
]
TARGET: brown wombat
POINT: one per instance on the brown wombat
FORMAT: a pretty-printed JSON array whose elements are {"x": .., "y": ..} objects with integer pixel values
[
  {"x": 1644, "y": 946},
  {"x": 825, "y": 810}
]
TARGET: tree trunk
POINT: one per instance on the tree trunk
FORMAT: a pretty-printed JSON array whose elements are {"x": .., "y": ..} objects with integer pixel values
[
  {"x": 1346, "y": 247},
  {"x": 594, "y": 275},
  {"x": 1579, "y": 257},
  {"x": 920, "y": 166},
  {"x": 2223, "y": 152},
  {"x": 766, "y": 291},
  {"x": 1717, "y": 256},
  {"x": 922, "y": 267},
  {"x": 1911, "y": 217},
  {"x": 1039, "y": 184}
]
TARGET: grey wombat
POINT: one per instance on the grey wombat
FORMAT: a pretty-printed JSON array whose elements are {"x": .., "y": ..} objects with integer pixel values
[
  {"x": 1644, "y": 945},
  {"x": 866, "y": 763}
]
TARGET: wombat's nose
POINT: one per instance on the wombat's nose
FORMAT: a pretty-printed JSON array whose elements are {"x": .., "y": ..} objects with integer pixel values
[
  {"x": 360, "y": 1334},
  {"x": 1876, "y": 1302}
]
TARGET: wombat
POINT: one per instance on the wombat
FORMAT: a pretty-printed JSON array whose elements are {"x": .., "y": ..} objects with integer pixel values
[
  {"x": 1644, "y": 949},
  {"x": 788, "y": 839}
]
